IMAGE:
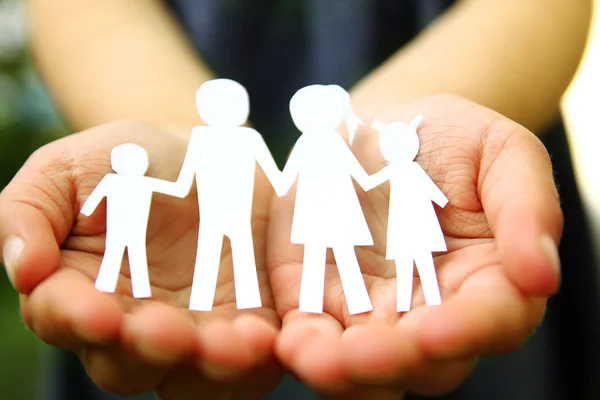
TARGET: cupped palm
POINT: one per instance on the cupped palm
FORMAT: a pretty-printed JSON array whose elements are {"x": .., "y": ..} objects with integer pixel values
[
  {"x": 502, "y": 213},
  {"x": 130, "y": 345}
]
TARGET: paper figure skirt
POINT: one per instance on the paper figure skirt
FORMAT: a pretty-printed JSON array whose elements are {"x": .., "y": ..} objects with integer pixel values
[
  {"x": 328, "y": 215},
  {"x": 413, "y": 224}
]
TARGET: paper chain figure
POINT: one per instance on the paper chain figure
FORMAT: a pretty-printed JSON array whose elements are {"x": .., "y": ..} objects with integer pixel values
[
  {"x": 223, "y": 156},
  {"x": 414, "y": 231},
  {"x": 128, "y": 195},
  {"x": 327, "y": 214}
]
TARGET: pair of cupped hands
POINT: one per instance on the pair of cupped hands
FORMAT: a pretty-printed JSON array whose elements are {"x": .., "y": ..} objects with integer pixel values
[{"x": 501, "y": 224}]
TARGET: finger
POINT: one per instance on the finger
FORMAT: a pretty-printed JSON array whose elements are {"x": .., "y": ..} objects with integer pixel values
[
  {"x": 223, "y": 353},
  {"x": 119, "y": 371},
  {"x": 310, "y": 345},
  {"x": 436, "y": 378},
  {"x": 258, "y": 333},
  {"x": 299, "y": 327},
  {"x": 160, "y": 334},
  {"x": 487, "y": 316},
  {"x": 36, "y": 214},
  {"x": 379, "y": 354},
  {"x": 261, "y": 381},
  {"x": 155, "y": 338},
  {"x": 67, "y": 311},
  {"x": 390, "y": 356},
  {"x": 318, "y": 363},
  {"x": 229, "y": 350},
  {"x": 521, "y": 203}
]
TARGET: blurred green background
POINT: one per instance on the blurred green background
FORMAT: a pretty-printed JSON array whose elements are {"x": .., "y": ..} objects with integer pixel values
[{"x": 27, "y": 121}]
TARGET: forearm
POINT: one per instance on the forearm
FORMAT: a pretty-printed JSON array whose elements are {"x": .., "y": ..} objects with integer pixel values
[
  {"x": 516, "y": 57},
  {"x": 116, "y": 59}
]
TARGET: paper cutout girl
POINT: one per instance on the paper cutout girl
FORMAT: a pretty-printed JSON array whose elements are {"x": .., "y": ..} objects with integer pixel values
[
  {"x": 327, "y": 212},
  {"x": 128, "y": 196},
  {"x": 414, "y": 231}
]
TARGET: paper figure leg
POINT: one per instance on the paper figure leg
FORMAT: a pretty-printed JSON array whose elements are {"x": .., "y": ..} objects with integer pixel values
[
  {"x": 206, "y": 269},
  {"x": 357, "y": 297},
  {"x": 312, "y": 284},
  {"x": 427, "y": 275},
  {"x": 404, "y": 283},
  {"x": 108, "y": 275},
  {"x": 138, "y": 269},
  {"x": 247, "y": 293}
]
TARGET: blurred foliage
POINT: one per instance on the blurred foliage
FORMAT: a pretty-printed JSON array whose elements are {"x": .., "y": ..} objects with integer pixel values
[{"x": 27, "y": 121}]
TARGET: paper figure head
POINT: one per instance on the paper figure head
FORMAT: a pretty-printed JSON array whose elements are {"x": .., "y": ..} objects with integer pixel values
[
  {"x": 316, "y": 108},
  {"x": 351, "y": 119},
  {"x": 223, "y": 103},
  {"x": 399, "y": 142},
  {"x": 129, "y": 160}
]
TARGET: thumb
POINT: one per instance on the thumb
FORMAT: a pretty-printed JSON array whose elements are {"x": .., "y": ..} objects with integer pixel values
[
  {"x": 36, "y": 215},
  {"x": 521, "y": 203}
]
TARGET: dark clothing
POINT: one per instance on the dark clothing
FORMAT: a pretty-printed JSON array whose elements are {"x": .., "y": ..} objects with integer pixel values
[{"x": 276, "y": 47}]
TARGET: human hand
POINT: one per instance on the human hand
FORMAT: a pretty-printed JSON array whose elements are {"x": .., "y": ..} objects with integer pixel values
[
  {"x": 502, "y": 224},
  {"x": 129, "y": 346}
]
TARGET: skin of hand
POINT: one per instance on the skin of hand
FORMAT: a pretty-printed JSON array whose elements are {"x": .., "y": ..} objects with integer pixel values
[
  {"x": 502, "y": 225},
  {"x": 129, "y": 346},
  {"x": 116, "y": 59},
  {"x": 544, "y": 32},
  {"x": 520, "y": 62}
]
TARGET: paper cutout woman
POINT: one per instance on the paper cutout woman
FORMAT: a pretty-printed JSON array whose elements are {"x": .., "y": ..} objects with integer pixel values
[
  {"x": 128, "y": 196},
  {"x": 327, "y": 212},
  {"x": 414, "y": 231}
]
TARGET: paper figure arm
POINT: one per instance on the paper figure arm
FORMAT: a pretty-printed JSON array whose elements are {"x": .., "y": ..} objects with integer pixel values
[
  {"x": 356, "y": 170},
  {"x": 378, "y": 125},
  {"x": 166, "y": 187},
  {"x": 378, "y": 178},
  {"x": 97, "y": 195},
  {"x": 267, "y": 163},
  {"x": 186, "y": 175},
  {"x": 434, "y": 192},
  {"x": 290, "y": 171}
]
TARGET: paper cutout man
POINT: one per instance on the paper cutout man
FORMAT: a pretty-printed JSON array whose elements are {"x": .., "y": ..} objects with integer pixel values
[
  {"x": 327, "y": 212},
  {"x": 128, "y": 196},
  {"x": 223, "y": 157},
  {"x": 414, "y": 231}
]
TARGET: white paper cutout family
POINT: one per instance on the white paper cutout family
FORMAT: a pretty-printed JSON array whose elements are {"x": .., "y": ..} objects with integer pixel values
[{"x": 327, "y": 214}]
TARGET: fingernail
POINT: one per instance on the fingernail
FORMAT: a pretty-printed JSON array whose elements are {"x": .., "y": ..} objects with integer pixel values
[
  {"x": 11, "y": 251},
  {"x": 551, "y": 251}
]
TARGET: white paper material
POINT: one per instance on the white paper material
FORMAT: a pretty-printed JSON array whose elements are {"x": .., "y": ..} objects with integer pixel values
[
  {"x": 414, "y": 231},
  {"x": 128, "y": 194},
  {"x": 312, "y": 283},
  {"x": 327, "y": 213},
  {"x": 223, "y": 156}
]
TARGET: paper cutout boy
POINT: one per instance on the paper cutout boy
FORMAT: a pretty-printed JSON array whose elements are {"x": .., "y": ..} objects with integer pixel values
[
  {"x": 327, "y": 213},
  {"x": 128, "y": 196},
  {"x": 223, "y": 157},
  {"x": 414, "y": 231}
]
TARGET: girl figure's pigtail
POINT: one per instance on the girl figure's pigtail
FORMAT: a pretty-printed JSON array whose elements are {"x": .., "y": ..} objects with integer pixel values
[
  {"x": 350, "y": 118},
  {"x": 414, "y": 124}
]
